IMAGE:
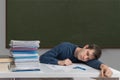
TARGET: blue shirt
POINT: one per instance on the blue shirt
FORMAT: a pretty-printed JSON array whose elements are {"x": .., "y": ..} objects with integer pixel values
[{"x": 63, "y": 51}]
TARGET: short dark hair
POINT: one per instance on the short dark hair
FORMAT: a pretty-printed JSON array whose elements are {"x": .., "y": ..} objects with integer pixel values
[{"x": 97, "y": 49}]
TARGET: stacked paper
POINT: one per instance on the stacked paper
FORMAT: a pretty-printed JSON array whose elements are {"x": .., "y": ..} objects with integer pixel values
[{"x": 25, "y": 54}]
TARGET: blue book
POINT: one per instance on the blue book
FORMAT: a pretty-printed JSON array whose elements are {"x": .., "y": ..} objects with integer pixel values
[
  {"x": 27, "y": 57},
  {"x": 24, "y": 52},
  {"x": 26, "y": 70}
]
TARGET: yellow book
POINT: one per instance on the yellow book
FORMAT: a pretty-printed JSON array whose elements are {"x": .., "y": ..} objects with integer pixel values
[{"x": 5, "y": 58}]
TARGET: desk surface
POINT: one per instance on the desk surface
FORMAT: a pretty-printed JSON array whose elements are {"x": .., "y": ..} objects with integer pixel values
[{"x": 47, "y": 72}]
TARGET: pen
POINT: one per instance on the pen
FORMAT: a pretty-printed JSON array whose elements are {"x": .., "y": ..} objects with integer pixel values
[{"x": 78, "y": 67}]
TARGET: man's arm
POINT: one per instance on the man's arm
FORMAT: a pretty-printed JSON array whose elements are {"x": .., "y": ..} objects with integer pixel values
[
  {"x": 58, "y": 54},
  {"x": 49, "y": 57},
  {"x": 105, "y": 71},
  {"x": 94, "y": 63}
]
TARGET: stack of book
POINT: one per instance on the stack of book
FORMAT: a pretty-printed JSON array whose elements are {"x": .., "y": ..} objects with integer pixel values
[{"x": 25, "y": 55}]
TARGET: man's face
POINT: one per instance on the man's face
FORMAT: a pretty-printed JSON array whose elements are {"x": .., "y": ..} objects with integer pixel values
[{"x": 85, "y": 54}]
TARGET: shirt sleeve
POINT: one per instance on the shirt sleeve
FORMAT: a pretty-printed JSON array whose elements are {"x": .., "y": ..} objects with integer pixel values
[
  {"x": 94, "y": 63},
  {"x": 49, "y": 58}
]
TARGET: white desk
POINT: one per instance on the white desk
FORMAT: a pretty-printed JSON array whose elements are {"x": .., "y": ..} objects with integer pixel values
[{"x": 47, "y": 72}]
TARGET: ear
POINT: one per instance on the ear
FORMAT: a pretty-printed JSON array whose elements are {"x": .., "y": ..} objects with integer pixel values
[{"x": 86, "y": 46}]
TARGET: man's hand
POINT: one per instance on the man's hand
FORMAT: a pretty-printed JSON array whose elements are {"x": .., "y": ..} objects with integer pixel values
[
  {"x": 105, "y": 71},
  {"x": 65, "y": 62}
]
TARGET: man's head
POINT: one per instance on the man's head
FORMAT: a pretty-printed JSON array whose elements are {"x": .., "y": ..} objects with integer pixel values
[{"x": 89, "y": 52}]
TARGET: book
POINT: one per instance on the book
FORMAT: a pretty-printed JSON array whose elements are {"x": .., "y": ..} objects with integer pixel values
[
  {"x": 19, "y": 68},
  {"x": 5, "y": 58}
]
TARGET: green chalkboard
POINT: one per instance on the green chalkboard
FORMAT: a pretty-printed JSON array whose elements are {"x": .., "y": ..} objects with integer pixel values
[{"x": 55, "y": 21}]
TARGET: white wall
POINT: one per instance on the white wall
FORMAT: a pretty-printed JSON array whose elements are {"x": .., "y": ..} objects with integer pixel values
[
  {"x": 110, "y": 56},
  {"x": 3, "y": 50}
]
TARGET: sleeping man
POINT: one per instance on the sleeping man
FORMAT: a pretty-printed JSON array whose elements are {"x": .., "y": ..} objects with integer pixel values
[{"x": 67, "y": 53}]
